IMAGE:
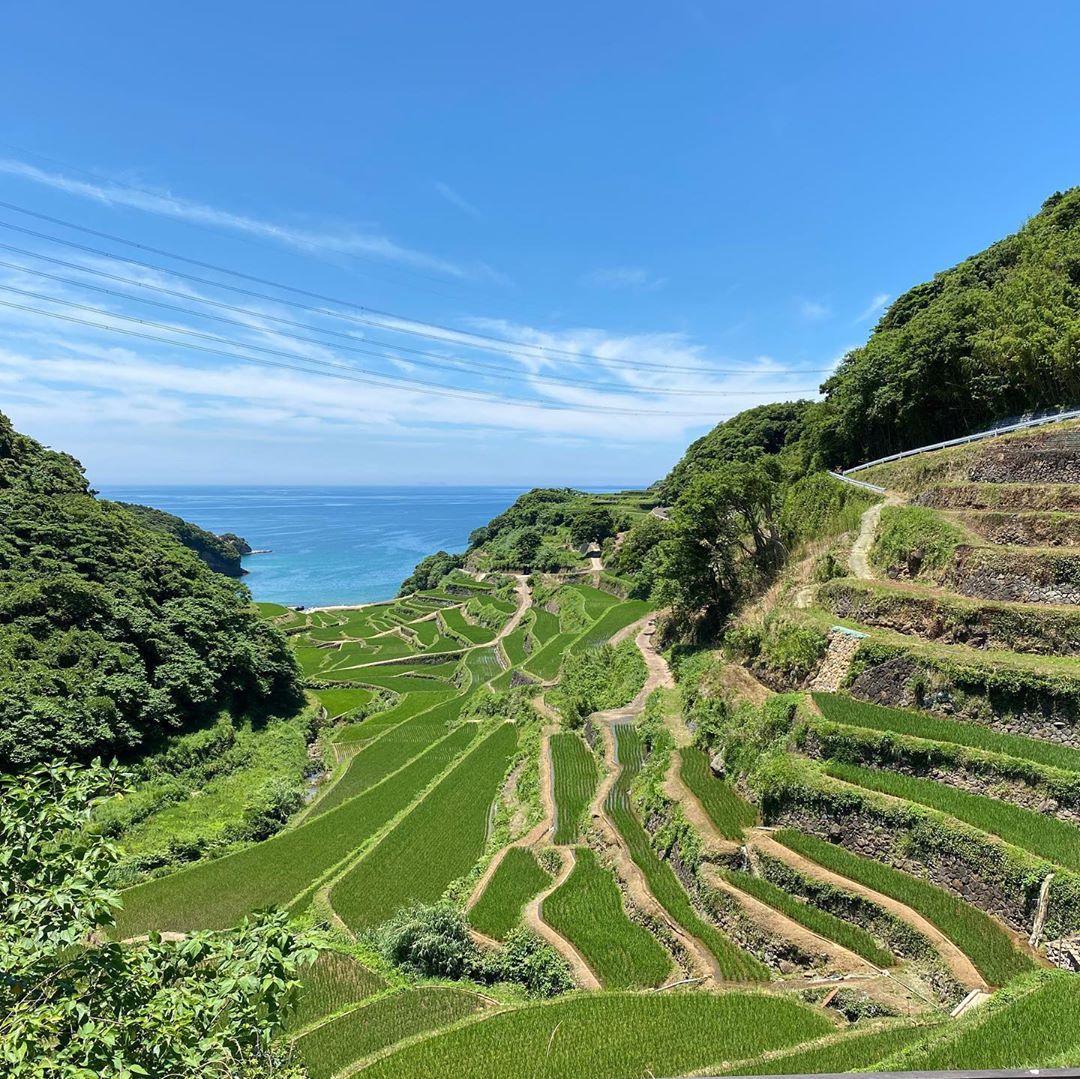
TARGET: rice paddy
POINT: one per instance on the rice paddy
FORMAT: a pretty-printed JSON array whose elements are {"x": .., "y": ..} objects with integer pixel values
[
  {"x": 436, "y": 843},
  {"x": 517, "y": 879},
  {"x": 729, "y": 812},
  {"x": 575, "y": 777},
  {"x": 1039, "y": 833},
  {"x": 341, "y": 1042},
  {"x": 610, "y": 1036},
  {"x": 977, "y": 935},
  {"x": 734, "y": 963},
  {"x": 333, "y": 982},
  {"x": 587, "y": 909}
]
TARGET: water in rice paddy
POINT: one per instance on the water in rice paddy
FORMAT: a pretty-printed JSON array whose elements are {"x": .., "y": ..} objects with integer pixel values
[{"x": 331, "y": 544}]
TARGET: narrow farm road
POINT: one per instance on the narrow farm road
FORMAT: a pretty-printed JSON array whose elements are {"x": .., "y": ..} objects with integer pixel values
[
  {"x": 582, "y": 972},
  {"x": 960, "y": 966},
  {"x": 859, "y": 559}
]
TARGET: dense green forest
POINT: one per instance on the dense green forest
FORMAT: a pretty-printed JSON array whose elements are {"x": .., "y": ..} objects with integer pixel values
[
  {"x": 221, "y": 553},
  {"x": 112, "y": 633}
]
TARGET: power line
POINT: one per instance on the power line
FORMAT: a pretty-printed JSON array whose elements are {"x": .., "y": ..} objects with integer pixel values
[
  {"x": 468, "y": 339},
  {"x": 381, "y": 381},
  {"x": 456, "y": 365}
]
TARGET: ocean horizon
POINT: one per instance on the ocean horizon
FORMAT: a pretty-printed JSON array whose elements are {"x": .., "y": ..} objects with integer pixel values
[{"x": 330, "y": 544}]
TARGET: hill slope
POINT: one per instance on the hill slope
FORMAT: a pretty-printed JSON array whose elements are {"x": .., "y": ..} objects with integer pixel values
[{"x": 111, "y": 632}]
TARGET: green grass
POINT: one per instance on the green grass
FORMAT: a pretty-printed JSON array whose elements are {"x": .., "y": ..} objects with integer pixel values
[
  {"x": 339, "y": 701},
  {"x": 439, "y": 841},
  {"x": 375, "y": 761},
  {"x": 734, "y": 963},
  {"x": 610, "y": 1036},
  {"x": 1039, "y": 833},
  {"x": 855, "y": 1051},
  {"x": 516, "y": 880},
  {"x": 574, "y": 778},
  {"x": 587, "y": 909},
  {"x": 217, "y": 894},
  {"x": 723, "y": 805},
  {"x": 855, "y": 713},
  {"x": 332, "y": 1047},
  {"x": 1036, "y": 1030},
  {"x": 614, "y": 619},
  {"x": 331, "y": 983},
  {"x": 840, "y": 930},
  {"x": 978, "y": 936}
]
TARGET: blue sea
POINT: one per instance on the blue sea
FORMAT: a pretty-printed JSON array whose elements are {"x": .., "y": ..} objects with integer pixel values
[{"x": 331, "y": 544}]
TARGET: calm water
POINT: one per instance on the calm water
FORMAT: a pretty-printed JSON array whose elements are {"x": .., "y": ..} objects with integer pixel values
[{"x": 331, "y": 544}]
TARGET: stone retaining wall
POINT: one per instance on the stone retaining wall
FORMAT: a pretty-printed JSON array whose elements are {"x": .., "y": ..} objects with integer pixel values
[
  {"x": 1025, "y": 529},
  {"x": 1027, "y": 462}
]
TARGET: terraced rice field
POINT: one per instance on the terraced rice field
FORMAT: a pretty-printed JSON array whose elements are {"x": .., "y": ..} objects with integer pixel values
[
  {"x": 733, "y": 962},
  {"x": 514, "y": 646},
  {"x": 1038, "y": 833},
  {"x": 407, "y": 706},
  {"x": 614, "y": 619},
  {"x": 341, "y": 1042},
  {"x": 517, "y": 879},
  {"x": 587, "y": 909},
  {"x": 855, "y": 713},
  {"x": 339, "y": 702},
  {"x": 545, "y": 625},
  {"x": 613, "y": 1036},
  {"x": 595, "y": 600},
  {"x": 729, "y": 813},
  {"x": 333, "y": 982},
  {"x": 483, "y": 664},
  {"x": 458, "y": 626},
  {"x": 840, "y": 930},
  {"x": 436, "y": 843},
  {"x": 546, "y": 662},
  {"x": 575, "y": 777},
  {"x": 217, "y": 894},
  {"x": 977, "y": 935}
]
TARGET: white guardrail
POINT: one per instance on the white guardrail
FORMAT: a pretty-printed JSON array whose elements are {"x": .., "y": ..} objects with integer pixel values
[
  {"x": 858, "y": 483},
  {"x": 1019, "y": 426}
]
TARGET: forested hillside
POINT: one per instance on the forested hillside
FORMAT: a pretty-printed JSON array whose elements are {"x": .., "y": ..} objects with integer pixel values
[
  {"x": 110, "y": 632},
  {"x": 221, "y": 553}
]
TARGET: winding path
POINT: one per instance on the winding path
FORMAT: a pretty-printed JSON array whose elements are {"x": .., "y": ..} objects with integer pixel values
[{"x": 859, "y": 559}]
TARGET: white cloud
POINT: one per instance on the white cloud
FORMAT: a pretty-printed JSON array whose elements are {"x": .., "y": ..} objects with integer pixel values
[
  {"x": 456, "y": 199},
  {"x": 630, "y": 277},
  {"x": 813, "y": 310},
  {"x": 876, "y": 306},
  {"x": 346, "y": 241}
]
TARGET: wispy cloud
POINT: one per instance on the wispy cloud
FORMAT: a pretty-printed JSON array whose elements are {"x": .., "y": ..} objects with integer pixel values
[
  {"x": 813, "y": 310},
  {"x": 875, "y": 307},
  {"x": 455, "y": 198},
  {"x": 628, "y": 277},
  {"x": 344, "y": 241}
]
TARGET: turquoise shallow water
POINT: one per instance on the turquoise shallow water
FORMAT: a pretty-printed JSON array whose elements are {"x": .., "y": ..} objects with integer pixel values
[{"x": 331, "y": 544}]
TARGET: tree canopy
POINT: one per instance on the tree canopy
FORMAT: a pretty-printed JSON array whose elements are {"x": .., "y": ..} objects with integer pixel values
[{"x": 112, "y": 633}]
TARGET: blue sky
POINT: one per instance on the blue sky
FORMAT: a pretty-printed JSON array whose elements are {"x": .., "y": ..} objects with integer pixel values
[{"x": 670, "y": 212}]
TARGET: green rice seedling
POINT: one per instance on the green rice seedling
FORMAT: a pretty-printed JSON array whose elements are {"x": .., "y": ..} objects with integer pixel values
[
  {"x": 1032, "y": 1030},
  {"x": 977, "y": 935},
  {"x": 845, "y": 933},
  {"x": 855, "y": 713},
  {"x": 516, "y": 880},
  {"x": 514, "y": 646},
  {"x": 545, "y": 625},
  {"x": 407, "y": 706},
  {"x": 311, "y": 659},
  {"x": 483, "y": 664},
  {"x": 855, "y": 1051},
  {"x": 734, "y": 963},
  {"x": 610, "y": 1036},
  {"x": 457, "y": 624},
  {"x": 587, "y": 909},
  {"x": 331, "y": 983},
  {"x": 272, "y": 610},
  {"x": 729, "y": 812},
  {"x": 574, "y": 776},
  {"x": 610, "y": 622},
  {"x": 1039, "y": 833},
  {"x": 217, "y": 894},
  {"x": 378, "y": 759},
  {"x": 334, "y": 1046},
  {"x": 338, "y": 702},
  {"x": 595, "y": 600},
  {"x": 546, "y": 662},
  {"x": 401, "y": 678},
  {"x": 439, "y": 841}
]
